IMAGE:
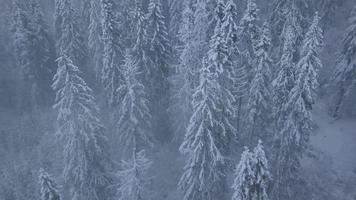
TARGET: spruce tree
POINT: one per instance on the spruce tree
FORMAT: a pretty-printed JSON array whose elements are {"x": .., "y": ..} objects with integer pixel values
[
  {"x": 183, "y": 81},
  {"x": 68, "y": 32},
  {"x": 158, "y": 38},
  {"x": 81, "y": 131},
  {"x": 48, "y": 187},
  {"x": 133, "y": 177},
  {"x": 249, "y": 33},
  {"x": 205, "y": 139},
  {"x": 244, "y": 177},
  {"x": 344, "y": 77},
  {"x": 285, "y": 79},
  {"x": 34, "y": 53},
  {"x": 111, "y": 76},
  {"x": 95, "y": 34},
  {"x": 310, "y": 64},
  {"x": 260, "y": 102},
  {"x": 159, "y": 56},
  {"x": 262, "y": 176},
  {"x": 134, "y": 118}
]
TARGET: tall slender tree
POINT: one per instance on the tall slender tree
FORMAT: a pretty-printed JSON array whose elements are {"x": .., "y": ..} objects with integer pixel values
[
  {"x": 260, "y": 102},
  {"x": 205, "y": 139},
  {"x": 159, "y": 55},
  {"x": 111, "y": 76},
  {"x": 134, "y": 118},
  {"x": 34, "y": 53},
  {"x": 85, "y": 160},
  {"x": 344, "y": 77},
  {"x": 68, "y": 32},
  {"x": 95, "y": 36},
  {"x": 134, "y": 178},
  {"x": 244, "y": 177},
  {"x": 48, "y": 187}
]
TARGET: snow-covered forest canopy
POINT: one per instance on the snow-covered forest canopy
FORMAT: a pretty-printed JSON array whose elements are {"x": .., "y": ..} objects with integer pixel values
[{"x": 177, "y": 99}]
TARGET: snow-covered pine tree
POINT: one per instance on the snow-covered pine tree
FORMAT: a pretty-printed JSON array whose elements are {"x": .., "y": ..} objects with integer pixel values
[
  {"x": 159, "y": 56},
  {"x": 296, "y": 125},
  {"x": 68, "y": 32},
  {"x": 218, "y": 53},
  {"x": 33, "y": 52},
  {"x": 82, "y": 133},
  {"x": 134, "y": 118},
  {"x": 344, "y": 77},
  {"x": 294, "y": 11},
  {"x": 205, "y": 139},
  {"x": 218, "y": 64},
  {"x": 262, "y": 176},
  {"x": 310, "y": 63},
  {"x": 249, "y": 33},
  {"x": 133, "y": 177},
  {"x": 237, "y": 72},
  {"x": 140, "y": 47},
  {"x": 112, "y": 51},
  {"x": 48, "y": 186},
  {"x": 158, "y": 38},
  {"x": 244, "y": 177},
  {"x": 260, "y": 102},
  {"x": 95, "y": 34},
  {"x": 183, "y": 81},
  {"x": 285, "y": 79}
]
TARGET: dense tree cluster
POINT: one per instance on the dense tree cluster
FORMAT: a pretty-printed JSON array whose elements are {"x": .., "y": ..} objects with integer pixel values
[{"x": 107, "y": 86}]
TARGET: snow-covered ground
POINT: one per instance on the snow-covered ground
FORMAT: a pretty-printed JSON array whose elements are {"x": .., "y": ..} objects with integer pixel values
[{"x": 337, "y": 139}]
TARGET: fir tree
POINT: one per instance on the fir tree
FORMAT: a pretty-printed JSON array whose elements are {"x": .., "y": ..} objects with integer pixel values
[
  {"x": 134, "y": 115},
  {"x": 183, "y": 82},
  {"x": 285, "y": 79},
  {"x": 244, "y": 177},
  {"x": 158, "y": 37},
  {"x": 48, "y": 187},
  {"x": 260, "y": 99},
  {"x": 262, "y": 176},
  {"x": 133, "y": 177},
  {"x": 159, "y": 56},
  {"x": 249, "y": 32},
  {"x": 95, "y": 34},
  {"x": 310, "y": 63},
  {"x": 140, "y": 47},
  {"x": 204, "y": 141},
  {"x": 33, "y": 51},
  {"x": 68, "y": 32},
  {"x": 82, "y": 132},
  {"x": 112, "y": 51},
  {"x": 344, "y": 77}
]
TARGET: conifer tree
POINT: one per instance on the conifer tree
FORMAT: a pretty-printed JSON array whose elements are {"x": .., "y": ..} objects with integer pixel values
[
  {"x": 134, "y": 118},
  {"x": 285, "y": 80},
  {"x": 249, "y": 33},
  {"x": 82, "y": 133},
  {"x": 262, "y": 176},
  {"x": 344, "y": 77},
  {"x": 205, "y": 139},
  {"x": 33, "y": 51},
  {"x": 252, "y": 175},
  {"x": 134, "y": 178},
  {"x": 310, "y": 63},
  {"x": 111, "y": 76},
  {"x": 158, "y": 38},
  {"x": 68, "y": 31},
  {"x": 48, "y": 187},
  {"x": 183, "y": 81},
  {"x": 244, "y": 177},
  {"x": 260, "y": 102},
  {"x": 159, "y": 56},
  {"x": 95, "y": 34}
]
